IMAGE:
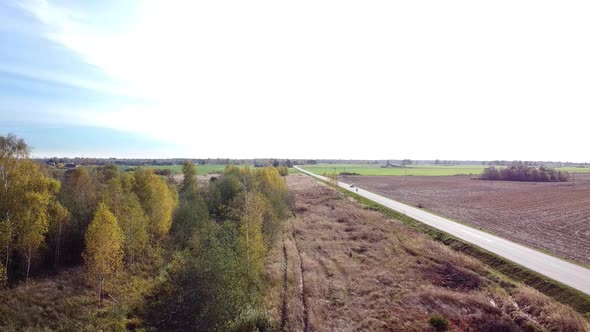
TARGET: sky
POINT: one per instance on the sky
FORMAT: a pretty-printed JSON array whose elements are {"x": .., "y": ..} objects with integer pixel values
[{"x": 468, "y": 80}]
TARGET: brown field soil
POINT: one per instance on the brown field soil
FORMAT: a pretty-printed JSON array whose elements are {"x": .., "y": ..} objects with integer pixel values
[
  {"x": 554, "y": 217},
  {"x": 342, "y": 267}
]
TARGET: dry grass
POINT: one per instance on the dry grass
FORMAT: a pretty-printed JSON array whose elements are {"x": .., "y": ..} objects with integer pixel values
[
  {"x": 273, "y": 279},
  {"x": 278, "y": 290},
  {"x": 362, "y": 271},
  {"x": 67, "y": 302},
  {"x": 554, "y": 316}
]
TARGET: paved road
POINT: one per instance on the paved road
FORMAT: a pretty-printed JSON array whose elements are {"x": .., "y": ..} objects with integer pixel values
[{"x": 570, "y": 274}]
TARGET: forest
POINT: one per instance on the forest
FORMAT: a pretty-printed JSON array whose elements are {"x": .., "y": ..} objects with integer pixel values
[{"x": 168, "y": 255}]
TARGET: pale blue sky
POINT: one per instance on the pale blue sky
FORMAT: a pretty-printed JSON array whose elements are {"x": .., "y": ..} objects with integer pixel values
[
  {"x": 306, "y": 79},
  {"x": 46, "y": 87}
]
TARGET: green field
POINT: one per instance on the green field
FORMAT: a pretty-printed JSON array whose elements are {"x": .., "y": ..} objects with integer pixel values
[
  {"x": 414, "y": 170},
  {"x": 574, "y": 169}
]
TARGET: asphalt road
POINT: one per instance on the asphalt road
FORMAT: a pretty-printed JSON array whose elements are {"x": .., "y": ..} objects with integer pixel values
[{"x": 565, "y": 272}]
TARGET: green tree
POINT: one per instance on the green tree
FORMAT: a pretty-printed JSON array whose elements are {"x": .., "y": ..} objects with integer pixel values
[
  {"x": 192, "y": 217},
  {"x": 189, "y": 172},
  {"x": 407, "y": 162},
  {"x": 103, "y": 255},
  {"x": 59, "y": 216},
  {"x": 107, "y": 172},
  {"x": 79, "y": 195},
  {"x": 221, "y": 193}
]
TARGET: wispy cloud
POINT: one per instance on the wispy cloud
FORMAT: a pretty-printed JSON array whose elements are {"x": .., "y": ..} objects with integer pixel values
[{"x": 48, "y": 75}]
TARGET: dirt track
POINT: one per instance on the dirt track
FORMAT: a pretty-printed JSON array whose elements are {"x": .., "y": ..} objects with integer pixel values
[
  {"x": 345, "y": 268},
  {"x": 548, "y": 216}
]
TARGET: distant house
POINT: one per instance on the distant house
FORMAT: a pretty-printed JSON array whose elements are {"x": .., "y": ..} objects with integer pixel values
[
  {"x": 51, "y": 163},
  {"x": 71, "y": 165}
]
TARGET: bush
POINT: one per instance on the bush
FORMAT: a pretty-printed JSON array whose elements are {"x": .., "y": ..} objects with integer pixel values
[
  {"x": 163, "y": 172},
  {"x": 439, "y": 322},
  {"x": 349, "y": 173},
  {"x": 251, "y": 319}
]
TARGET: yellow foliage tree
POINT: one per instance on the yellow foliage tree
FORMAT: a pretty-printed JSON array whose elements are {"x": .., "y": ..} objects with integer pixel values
[
  {"x": 32, "y": 215},
  {"x": 157, "y": 199},
  {"x": 251, "y": 239},
  {"x": 272, "y": 185},
  {"x": 133, "y": 221},
  {"x": 103, "y": 255},
  {"x": 25, "y": 193},
  {"x": 12, "y": 151}
]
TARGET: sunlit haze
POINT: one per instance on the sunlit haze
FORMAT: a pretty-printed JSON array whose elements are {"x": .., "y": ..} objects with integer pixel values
[{"x": 301, "y": 79}]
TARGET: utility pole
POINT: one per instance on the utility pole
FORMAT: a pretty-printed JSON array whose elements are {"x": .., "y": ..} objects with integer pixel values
[{"x": 406, "y": 172}]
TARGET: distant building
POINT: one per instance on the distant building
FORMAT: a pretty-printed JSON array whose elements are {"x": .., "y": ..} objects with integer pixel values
[{"x": 71, "y": 165}]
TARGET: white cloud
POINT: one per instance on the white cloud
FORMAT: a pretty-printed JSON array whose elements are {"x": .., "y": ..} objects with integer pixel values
[{"x": 346, "y": 79}]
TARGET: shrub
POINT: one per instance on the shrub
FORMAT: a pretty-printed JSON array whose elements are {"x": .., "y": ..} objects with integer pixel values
[
  {"x": 439, "y": 322},
  {"x": 251, "y": 319},
  {"x": 163, "y": 172},
  {"x": 133, "y": 324},
  {"x": 2, "y": 277}
]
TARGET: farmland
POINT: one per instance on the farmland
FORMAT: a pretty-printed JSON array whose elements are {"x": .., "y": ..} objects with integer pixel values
[
  {"x": 414, "y": 170},
  {"x": 342, "y": 267},
  {"x": 552, "y": 217}
]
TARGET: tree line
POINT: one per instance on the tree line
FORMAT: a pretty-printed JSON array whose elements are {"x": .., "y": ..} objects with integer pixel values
[
  {"x": 224, "y": 232},
  {"x": 53, "y": 219},
  {"x": 210, "y": 243},
  {"x": 523, "y": 172}
]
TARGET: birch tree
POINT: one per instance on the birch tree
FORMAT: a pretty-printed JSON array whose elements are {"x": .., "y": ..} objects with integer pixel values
[{"x": 103, "y": 255}]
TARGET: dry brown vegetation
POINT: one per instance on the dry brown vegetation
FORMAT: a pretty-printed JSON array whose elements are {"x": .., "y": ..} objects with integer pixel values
[
  {"x": 547, "y": 216},
  {"x": 349, "y": 269},
  {"x": 66, "y": 302}
]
